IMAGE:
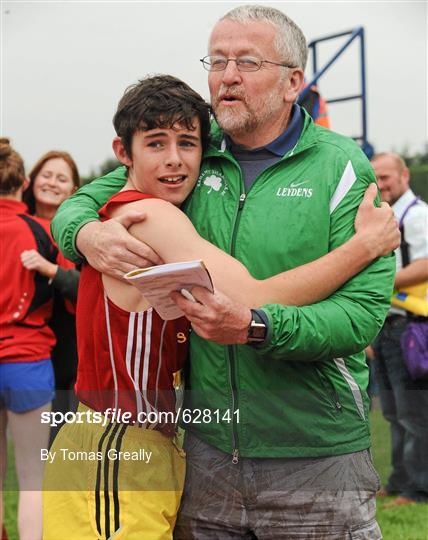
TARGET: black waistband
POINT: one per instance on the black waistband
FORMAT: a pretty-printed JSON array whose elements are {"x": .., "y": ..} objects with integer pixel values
[{"x": 395, "y": 316}]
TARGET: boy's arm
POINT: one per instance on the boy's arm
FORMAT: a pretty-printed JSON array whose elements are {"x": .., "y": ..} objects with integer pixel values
[
  {"x": 171, "y": 234},
  {"x": 107, "y": 246}
]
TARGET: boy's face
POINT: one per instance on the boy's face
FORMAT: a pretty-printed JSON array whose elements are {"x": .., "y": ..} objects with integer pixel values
[{"x": 165, "y": 162}]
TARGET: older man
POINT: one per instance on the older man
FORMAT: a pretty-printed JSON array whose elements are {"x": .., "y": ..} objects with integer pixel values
[
  {"x": 404, "y": 401},
  {"x": 282, "y": 451}
]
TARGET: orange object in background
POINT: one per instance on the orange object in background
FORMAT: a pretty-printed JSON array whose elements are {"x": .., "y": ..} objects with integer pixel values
[{"x": 316, "y": 106}]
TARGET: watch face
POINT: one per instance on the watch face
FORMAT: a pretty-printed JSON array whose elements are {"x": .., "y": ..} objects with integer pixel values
[{"x": 257, "y": 332}]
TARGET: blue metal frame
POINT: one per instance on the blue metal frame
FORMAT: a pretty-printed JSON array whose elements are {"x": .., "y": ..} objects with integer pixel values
[{"x": 319, "y": 72}]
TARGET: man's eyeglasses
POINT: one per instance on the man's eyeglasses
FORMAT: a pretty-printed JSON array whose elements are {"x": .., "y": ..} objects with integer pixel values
[{"x": 243, "y": 63}]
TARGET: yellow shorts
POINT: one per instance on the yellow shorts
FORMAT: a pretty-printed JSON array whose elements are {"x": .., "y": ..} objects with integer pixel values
[{"x": 117, "y": 481}]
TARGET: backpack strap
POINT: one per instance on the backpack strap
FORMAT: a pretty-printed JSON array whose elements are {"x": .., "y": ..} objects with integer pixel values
[
  {"x": 46, "y": 248},
  {"x": 44, "y": 243},
  {"x": 404, "y": 246}
]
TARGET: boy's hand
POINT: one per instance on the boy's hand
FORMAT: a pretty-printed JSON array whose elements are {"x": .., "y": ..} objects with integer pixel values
[
  {"x": 109, "y": 248},
  {"x": 377, "y": 226}
]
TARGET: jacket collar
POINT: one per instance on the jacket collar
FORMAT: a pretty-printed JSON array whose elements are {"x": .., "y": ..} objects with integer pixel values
[{"x": 308, "y": 137}]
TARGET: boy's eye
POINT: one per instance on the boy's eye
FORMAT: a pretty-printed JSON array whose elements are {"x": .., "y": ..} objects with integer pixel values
[
  {"x": 187, "y": 144},
  {"x": 155, "y": 144}
]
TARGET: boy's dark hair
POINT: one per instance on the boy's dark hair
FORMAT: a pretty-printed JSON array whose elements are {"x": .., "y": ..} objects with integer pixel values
[{"x": 160, "y": 101}]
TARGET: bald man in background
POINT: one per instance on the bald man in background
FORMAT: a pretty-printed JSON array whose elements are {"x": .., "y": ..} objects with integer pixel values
[{"x": 404, "y": 401}]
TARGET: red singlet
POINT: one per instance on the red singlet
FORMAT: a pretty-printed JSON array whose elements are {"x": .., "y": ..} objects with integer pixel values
[{"x": 126, "y": 359}]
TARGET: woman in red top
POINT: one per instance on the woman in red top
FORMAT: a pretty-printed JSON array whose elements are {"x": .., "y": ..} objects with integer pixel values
[{"x": 26, "y": 341}]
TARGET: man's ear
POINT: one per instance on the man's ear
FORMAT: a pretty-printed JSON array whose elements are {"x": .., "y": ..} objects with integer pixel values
[
  {"x": 295, "y": 85},
  {"x": 405, "y": 175},
  {"x": 120, "y": 152}
]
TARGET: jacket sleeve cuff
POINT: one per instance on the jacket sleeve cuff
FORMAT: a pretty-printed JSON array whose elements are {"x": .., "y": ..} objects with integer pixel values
[{"x": 79, "y": 257}]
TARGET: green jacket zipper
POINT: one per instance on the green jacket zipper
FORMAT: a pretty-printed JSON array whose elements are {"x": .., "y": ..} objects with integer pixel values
[
  {"x": 232, "y": 348},
  {"x": 330, "y": 389}
]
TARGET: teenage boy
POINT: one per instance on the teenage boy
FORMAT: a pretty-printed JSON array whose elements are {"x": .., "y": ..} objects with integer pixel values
[{"x": 128, "y": 355}]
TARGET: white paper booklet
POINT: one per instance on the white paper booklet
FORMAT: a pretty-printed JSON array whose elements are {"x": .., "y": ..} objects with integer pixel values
[{"x": 157, "y": 282}]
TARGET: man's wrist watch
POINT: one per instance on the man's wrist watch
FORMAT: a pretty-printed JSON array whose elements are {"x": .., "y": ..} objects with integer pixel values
[{"x": 257, "y": 330}]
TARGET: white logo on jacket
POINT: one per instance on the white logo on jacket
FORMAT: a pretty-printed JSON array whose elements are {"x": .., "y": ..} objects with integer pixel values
[
  {"x": 295, "y": 190},
  {"x": 214, "y": 180}
]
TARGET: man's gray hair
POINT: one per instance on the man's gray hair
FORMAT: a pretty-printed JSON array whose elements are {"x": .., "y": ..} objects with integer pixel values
[{"x": 290, "y": 41}]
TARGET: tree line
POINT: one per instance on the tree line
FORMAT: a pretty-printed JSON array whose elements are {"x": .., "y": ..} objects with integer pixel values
[{"x": 417, "y": 163}]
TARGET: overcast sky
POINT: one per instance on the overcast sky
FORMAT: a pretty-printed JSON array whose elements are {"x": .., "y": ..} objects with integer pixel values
[{"x": 66, "y": 64}]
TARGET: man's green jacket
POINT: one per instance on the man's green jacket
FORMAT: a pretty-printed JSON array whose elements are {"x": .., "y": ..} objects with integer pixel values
[{"x": 302, "y": 393}]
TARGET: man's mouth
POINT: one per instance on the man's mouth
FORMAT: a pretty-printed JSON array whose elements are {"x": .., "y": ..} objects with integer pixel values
[
  {"x": 173, "y": 179},
  {"x": 229, "y": 99}
]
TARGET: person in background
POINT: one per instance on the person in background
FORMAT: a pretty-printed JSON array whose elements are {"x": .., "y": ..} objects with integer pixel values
[
  {"x": 373, "y": 387},
  {"x": 26, "y": 342},
  {"x": 316, "y": 106},
  {"x": 404, "y": 401},
  {"x": 52, "y": 180}
]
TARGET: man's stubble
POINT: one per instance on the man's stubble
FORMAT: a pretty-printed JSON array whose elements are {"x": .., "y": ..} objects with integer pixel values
[{"x": 255, "y": 115}]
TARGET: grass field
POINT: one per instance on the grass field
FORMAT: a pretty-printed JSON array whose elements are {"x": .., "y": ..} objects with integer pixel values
[{"x": 406, "y": 523}]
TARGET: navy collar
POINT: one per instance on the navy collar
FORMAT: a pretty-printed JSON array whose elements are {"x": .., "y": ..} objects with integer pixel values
[{"x": 285, "y": 141}]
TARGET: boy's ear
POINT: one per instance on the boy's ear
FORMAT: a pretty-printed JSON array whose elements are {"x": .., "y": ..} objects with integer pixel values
[
  {"x": 120, "y": 152},
  {"x": 26, "y": 183}
]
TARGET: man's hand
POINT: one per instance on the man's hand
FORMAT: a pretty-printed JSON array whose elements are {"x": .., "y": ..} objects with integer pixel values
[
  {"x": 32, "y": 260},
  {"x": 110, "y": 249},
  {"x": 215, "y": 316},
  {"x": 377, "y": 226},
  {"x": 370, "y": 355}
]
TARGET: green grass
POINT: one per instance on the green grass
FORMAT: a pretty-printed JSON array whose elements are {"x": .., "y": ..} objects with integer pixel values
[
  {"x": 402, "y": 523},
  {"x": 405, "y": 523}
]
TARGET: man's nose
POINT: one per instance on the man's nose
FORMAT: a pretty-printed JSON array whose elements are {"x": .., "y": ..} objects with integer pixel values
[{"x": 231, "y": 75}]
